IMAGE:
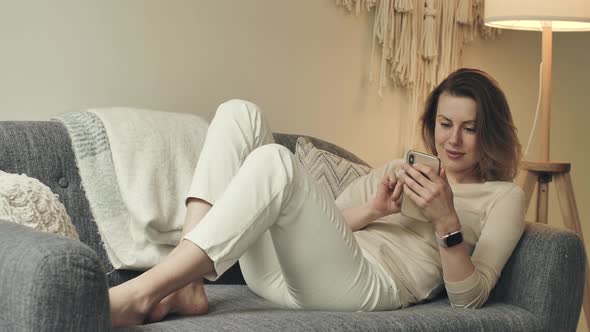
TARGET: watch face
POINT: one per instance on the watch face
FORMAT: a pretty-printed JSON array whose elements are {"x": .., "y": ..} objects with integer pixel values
[{"x": 454, "y": 239}]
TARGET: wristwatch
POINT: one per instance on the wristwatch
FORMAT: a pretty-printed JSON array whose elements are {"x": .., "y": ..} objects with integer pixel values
[{"x": 451, "y": 239}]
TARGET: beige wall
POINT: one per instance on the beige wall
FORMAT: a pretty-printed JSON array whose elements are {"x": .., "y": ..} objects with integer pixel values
[{"x": 304, "y": 62}]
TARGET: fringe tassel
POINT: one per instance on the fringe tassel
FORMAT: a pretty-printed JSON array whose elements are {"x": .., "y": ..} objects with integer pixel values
[
  {"x": 422, "y": 41},
  {"x": 484, "y": 31},
  {"x": 403, "y": 6},
  {"x": 428, "y": 45},
  {"x": 357, "y": 4},
  {"x": 464, "y": 12},
  {"x": 401, "y": 61}
]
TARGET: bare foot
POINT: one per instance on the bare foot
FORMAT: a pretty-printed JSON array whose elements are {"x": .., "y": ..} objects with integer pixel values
[
  {"x": 188, "y": 301},
  {"x": 126, "y": 308}
]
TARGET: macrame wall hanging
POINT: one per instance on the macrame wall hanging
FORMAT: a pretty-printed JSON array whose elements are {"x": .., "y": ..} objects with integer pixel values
[{"x": 421, "y": 42}]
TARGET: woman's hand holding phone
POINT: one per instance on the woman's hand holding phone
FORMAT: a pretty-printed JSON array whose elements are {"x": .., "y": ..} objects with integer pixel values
[
  {"x": 389, "y": 196},
  {"x": 429, "y": 191}
]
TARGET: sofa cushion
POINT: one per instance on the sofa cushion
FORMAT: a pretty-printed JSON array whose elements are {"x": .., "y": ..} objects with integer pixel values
[
  {"x": 26, "y": 201},
  {"x": 332, "y": 172},
  {"x": 235, "y": 308},
  {"x": 290, "y": 140}
]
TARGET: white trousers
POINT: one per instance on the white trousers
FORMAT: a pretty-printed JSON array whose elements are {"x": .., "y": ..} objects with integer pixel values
[{"x": 293, "y": 243}]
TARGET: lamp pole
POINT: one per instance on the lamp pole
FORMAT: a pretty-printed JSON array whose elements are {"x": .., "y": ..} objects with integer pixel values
[
  {"x": 542, "y": 206},
  {"x": 546, "y": 59}
]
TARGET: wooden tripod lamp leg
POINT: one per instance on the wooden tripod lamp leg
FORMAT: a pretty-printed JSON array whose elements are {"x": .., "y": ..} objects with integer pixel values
[
  {"x": 527, "y": 180},
  {"x": 542, "y": 211},
  {"x": 571, "y": 219}
]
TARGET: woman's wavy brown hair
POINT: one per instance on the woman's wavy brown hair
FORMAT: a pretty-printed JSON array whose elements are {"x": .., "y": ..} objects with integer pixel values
[{"x": 497, "y": 143}]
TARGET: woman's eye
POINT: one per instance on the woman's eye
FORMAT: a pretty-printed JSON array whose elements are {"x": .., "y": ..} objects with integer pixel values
[
  {"x": 445, "y": 125},
  {"x": 469, "y": 129}
]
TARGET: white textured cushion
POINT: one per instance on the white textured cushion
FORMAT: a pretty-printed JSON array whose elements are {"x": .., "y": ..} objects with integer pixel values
[
  {"x": 334, "y": 173},
  {"x": 27, "y": 201}
]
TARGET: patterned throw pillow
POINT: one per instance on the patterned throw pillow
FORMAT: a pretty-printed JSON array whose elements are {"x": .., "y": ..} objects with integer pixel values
[
  {"x": 27, "y": 201},
  {"x": 334, "y": 173}
]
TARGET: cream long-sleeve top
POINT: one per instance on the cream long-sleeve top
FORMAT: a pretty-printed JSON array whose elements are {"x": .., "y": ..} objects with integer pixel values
[{"x": 492, "y": 221}]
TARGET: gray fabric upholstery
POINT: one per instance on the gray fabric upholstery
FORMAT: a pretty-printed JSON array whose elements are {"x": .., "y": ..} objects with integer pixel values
[
  {"x": 545, "y": 275},
  {"x": 50, "y": 283},
  {"x": 235, "y": 308},
  {"x": 43, "y": 150},
  {"x": 540, "y": 288}
]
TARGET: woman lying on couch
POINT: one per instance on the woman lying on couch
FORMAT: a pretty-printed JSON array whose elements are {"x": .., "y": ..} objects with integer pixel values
[{"x": 251, "y": 201}]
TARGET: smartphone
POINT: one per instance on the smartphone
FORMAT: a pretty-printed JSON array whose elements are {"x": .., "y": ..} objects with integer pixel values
[{"x": 409, "y": 208}]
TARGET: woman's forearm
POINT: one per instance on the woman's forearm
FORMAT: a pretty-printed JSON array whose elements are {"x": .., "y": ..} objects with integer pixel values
[
  {"x": 358, "y": 217},
  {"x": 456, "y": 262}
]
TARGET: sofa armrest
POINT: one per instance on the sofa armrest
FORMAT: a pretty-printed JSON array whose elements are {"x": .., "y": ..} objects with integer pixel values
[
  {"x": 545, "y": 275},
  {"x": 50, "y": 283}
]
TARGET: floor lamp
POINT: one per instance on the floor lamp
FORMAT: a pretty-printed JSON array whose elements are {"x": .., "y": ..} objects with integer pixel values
[{"x": 546, "y": 16}]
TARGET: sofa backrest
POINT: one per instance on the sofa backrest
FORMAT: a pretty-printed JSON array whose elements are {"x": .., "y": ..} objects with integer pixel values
[{"x": 43, "y": 150}]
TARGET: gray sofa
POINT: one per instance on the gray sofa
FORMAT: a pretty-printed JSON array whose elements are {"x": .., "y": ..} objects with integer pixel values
[{"x": 50, "y": 283}]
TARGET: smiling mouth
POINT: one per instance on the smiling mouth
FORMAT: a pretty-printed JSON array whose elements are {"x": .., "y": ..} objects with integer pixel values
[{"x": 454, "y": 154}]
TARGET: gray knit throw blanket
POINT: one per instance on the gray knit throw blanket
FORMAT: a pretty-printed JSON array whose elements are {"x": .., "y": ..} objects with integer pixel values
[{"x": 136, "y": 166}]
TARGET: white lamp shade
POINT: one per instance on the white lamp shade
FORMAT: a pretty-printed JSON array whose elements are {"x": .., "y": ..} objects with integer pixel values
[{"x": 562, "y": 15}]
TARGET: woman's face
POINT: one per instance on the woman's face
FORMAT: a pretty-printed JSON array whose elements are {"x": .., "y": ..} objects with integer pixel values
[{"x": 455, "y": 137}]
